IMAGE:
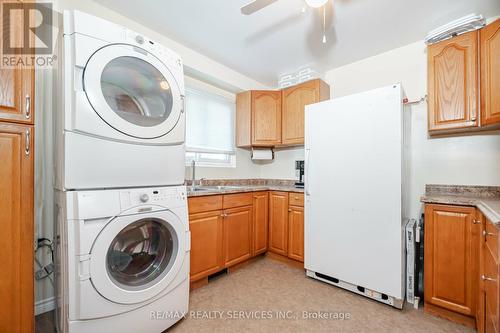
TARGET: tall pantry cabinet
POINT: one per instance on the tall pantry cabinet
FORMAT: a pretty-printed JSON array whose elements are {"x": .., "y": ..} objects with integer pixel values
[{"x": 16, "y": 192}]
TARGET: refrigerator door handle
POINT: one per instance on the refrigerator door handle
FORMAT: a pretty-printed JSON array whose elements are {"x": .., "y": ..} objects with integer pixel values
[{"x": 307, "y": 169}]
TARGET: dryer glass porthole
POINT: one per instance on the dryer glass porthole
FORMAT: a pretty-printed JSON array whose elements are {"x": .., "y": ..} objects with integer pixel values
[
  {"x": 142, "y": 253},
  {"x": 136, "y": 91}
]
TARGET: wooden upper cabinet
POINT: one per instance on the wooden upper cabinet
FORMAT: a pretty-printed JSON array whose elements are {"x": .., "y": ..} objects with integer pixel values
[
  {"x": 278, "y": 222},
  {"x": 237, "y": 235},
  {"x": 17, "y": 85},
  {"x": 451, "y": 258},
  {"x": 16, "y": 223},
  {"x": 490, "y": 73},
  {"x": 294, "y": 101},
  {"x": 260, "y": 222},
  {"x": 206, "y": 244},
  {"x": 267, "y": 118},
  {"x": 453, "y": 83},
  {"x": 258, "y": 118}
]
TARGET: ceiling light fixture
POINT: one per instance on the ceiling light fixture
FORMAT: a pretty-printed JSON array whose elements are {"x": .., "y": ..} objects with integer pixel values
[{"x": 316, "y": 3}]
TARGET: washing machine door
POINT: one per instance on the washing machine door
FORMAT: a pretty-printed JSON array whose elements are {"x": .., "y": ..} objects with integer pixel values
[
  {"x": 136, "y": 257},
  {"x": 132, "y": 91}
]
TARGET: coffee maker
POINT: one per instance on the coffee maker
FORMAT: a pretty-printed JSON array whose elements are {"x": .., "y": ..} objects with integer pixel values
[{"x": 299, "y": 170}]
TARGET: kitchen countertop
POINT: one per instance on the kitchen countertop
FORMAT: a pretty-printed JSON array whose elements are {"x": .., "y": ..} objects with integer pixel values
[
  {"x": 485, "y": 198},
  {"x": 243, "y": 188}
]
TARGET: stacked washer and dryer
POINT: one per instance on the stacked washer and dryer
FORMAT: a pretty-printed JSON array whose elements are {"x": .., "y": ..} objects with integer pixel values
[{"x": 123, "y": 234}]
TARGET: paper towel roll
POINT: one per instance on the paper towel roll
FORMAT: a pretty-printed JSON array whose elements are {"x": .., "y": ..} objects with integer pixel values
[{"x": 262, "y": 154}]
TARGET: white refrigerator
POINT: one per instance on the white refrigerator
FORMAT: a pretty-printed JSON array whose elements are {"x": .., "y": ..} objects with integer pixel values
[{"x": 356, "y": 173}]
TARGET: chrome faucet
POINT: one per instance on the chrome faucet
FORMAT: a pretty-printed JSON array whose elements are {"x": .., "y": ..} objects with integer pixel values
[{"x": 193, "y": 177}]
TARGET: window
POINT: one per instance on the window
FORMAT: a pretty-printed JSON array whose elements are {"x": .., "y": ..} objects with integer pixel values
[{"x": 209, "y": 129}]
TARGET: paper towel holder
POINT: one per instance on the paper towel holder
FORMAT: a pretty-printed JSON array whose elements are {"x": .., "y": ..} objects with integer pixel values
[{"x": 272, "y": 151}]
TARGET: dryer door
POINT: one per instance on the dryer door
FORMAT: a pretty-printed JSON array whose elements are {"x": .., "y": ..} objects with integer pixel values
[
  {"x": 132, "y": 91},
  {"x": 136, "y": 257}
]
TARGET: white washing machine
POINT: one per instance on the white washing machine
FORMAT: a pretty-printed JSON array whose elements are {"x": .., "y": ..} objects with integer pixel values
[
  {"x": 122, "y": 259},
  {"x": 121, "y": 121}
]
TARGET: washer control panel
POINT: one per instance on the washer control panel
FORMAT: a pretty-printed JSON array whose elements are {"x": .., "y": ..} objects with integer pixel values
[{"x": 162, "y": 196}]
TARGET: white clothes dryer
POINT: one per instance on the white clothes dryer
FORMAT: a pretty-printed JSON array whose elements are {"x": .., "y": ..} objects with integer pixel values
[
  {"x": 121, "y": 120},
  {"x": 122, "y": 261}
]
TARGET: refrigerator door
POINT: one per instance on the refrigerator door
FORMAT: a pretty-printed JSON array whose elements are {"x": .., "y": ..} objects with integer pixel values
[{"x": 353, "y": 209}]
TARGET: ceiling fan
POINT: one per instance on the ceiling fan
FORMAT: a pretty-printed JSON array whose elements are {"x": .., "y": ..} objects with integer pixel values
[{"x": 257, "y": 5}]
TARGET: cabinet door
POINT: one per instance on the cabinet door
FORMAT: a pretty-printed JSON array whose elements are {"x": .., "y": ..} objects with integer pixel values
[
  {"x": 16, "y": 223},
  {"x": 237, "y": 235},
  {"x": 490, "y": 278},
  {"x": 449, "y": 260},
  {"x": 452, "y": 83},
  {"x": 490, "y": 73},
  {"x": 278, "y": 222},
  {"x": 206, "y": 244},
  {"x": 260, "y": 222},
  {"x": 17, "y": 85},
  {"x": 294, "y": 101},
  {"x": 491, "y": 293},
  {"x": 266, "y": 118},
  {"x": 296, "y": 233}
]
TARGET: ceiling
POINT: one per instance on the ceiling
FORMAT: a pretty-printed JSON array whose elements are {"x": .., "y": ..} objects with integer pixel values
[{"x": 280, "y": 38}]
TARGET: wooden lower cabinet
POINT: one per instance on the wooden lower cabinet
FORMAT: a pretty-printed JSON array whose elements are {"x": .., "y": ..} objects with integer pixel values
[
  {"x": 488, "y": 320},
  {"x": 278, "y": 222},
  {"x": 462, "y": 266},
  {"x": 206, "y": 244},
  {"x": 260, "y": 222},
  {"x": 237, "y": 235},
  {"x": 16, "y": 223},
  {"x": 296, "y": 233},
  {"x": 232, "y": 228},
  {"x": 451, "y": 261}
]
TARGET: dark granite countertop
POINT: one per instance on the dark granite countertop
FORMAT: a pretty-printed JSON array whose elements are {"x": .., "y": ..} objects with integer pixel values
[
  {"x": 228, "y": 186},
  {"x": 485, "y": 198}
]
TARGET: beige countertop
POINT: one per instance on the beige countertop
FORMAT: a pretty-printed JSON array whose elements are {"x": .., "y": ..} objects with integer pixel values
[{"x": 486, "y": 199}]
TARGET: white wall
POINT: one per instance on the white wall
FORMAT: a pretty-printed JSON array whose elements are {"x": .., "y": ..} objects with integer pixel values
[
  {"x": 283, "y": 165},
  {"x": 468, "y": 160}
]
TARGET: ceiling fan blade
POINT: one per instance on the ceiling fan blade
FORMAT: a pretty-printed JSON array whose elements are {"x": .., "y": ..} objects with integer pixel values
[{"x": 255, "y": 5}]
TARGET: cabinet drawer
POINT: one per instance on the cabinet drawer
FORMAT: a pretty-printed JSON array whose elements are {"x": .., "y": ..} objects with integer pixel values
[
  {"x": 237, "y": 200},
  {"x": 296, "y": 199},
  {"x": 491, "y": 239},
  {"x": 204, "y": 204}
]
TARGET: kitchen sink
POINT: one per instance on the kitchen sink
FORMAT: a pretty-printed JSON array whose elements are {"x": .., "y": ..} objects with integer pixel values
[{"x": 213, "y": 188}]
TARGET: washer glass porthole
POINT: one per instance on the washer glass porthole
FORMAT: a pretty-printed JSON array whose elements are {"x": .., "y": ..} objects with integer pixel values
[{"x": 142, "y": 253}]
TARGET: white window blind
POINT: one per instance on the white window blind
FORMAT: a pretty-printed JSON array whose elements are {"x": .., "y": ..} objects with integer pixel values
[{"x": 209, "y": 123}]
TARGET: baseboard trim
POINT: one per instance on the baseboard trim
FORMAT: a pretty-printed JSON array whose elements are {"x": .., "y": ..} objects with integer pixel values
[{"x": 45, "y": 305}]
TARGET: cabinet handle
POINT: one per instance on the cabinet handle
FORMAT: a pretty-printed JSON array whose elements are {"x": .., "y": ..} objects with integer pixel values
[
  {"x": 473, "y": 118},
  {"x": 27, "y": 142},
  {"x": 474, "y": 221},
  {"x": 485, "y": 278},
  {"x": 223, "y": 215},
  {"x": 289, "y": 209},
  {"x": 486, "y": 233},
  {"x": 27, "y": 107}
]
